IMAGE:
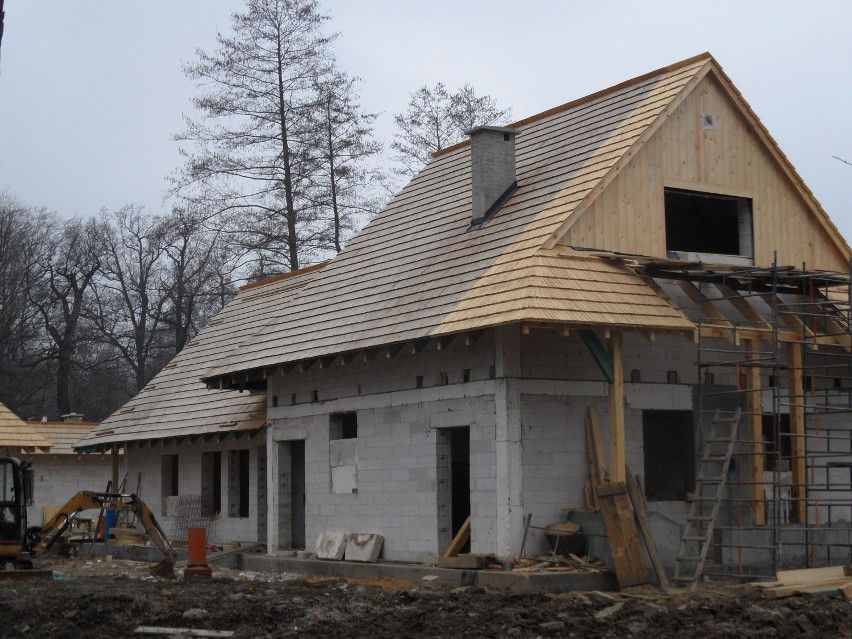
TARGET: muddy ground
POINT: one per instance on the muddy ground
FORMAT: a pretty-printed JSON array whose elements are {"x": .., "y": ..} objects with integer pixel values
[{"x": 96, "y": 598}]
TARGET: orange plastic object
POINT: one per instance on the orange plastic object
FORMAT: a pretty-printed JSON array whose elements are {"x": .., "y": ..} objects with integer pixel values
[{"x": 197, "y": 547}]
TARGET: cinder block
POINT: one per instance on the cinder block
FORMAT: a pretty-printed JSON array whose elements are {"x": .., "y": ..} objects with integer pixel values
[
  {"x": 331, "y": 545},
  {"x": 430, "y": 582},
  {"x": 364, "y": 547}
]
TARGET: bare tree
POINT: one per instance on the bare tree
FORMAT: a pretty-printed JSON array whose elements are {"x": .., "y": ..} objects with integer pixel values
[
  {"x": 436, "y": 119},
  {"x": 129, "y": 303},
  {"x": 347, "y": 186},
  {"x": 196, "y": 262},
  {"x": 22, "y": 236},
  {"x": 63, "y": 274},
  {"x": 251, "y": 146}
]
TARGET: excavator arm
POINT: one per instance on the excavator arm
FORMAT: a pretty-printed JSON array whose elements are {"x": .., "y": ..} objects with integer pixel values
[{"x": 41, "y": 539}]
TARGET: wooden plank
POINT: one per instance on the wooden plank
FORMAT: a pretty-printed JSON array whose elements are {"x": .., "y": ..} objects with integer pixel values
[
  {"x": 798, "y": 464},
  {"x": 464, "y": 562},
  {"x": 623, "y": 537},
  {"x": 597, "y": 462},
  {"x": 616, "y": 411},
  {"x": 814, "y": 574},
  {"x": 459, "y": 540},
  {"x": 814, "y": 588},
  {"x": 754, "y": 424},
  {"x": 160, "y": 631},
  {"x": 638, "y": 501}
]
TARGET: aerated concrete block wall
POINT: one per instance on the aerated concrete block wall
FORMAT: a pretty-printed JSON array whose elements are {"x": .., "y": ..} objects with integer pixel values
[
  {"x": 148, "y": 462},
  {"x": 401, "y": 403},
  {"x": 57, "y": 478}
]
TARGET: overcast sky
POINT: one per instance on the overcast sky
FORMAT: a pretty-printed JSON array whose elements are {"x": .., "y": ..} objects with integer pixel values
[{"x": 92, "y": 91}]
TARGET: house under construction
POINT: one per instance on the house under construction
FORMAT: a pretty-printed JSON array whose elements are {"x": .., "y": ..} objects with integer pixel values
[{"x": 644, "y": 259}]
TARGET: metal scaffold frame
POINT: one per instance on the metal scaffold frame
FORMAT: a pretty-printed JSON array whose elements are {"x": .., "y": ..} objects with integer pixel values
[{"x": 775, "y": 343}]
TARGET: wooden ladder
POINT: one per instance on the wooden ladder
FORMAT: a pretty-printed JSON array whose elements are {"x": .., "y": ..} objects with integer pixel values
[{"x": 709, "y": 489}]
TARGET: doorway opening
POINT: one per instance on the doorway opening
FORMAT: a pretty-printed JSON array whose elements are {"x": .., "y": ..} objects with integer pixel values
[
  {"x": 453, "y": 456},
  {"x": 291, "y": 494}
]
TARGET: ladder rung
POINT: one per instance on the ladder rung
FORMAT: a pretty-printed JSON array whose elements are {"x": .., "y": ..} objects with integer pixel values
[
  {"x": 688, "y": 558},
  {"x": 714, "y": 458}
]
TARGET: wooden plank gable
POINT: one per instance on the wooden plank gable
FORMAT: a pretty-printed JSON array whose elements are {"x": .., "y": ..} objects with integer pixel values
[{"x": 735, "y": 157}]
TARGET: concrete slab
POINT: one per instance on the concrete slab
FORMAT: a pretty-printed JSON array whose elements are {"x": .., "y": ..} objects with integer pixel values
[
  {"x": 331, "y": 545},
  {"x": 364, "y": 547}
]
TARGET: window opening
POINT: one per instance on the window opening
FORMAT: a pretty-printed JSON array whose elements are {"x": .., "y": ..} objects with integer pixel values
[
  {"x": 238, "y": 483},
  {"x": 211, "y": 483},
  {"x": 708, "y": 223},
  {"x": 668, "y": 438},
  {"x": 169, "y": 476},
  {"x": 343, "y": 452}
]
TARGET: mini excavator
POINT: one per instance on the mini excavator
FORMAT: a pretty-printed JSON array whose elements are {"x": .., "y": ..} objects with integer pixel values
[{"x": 19, "y": 544}]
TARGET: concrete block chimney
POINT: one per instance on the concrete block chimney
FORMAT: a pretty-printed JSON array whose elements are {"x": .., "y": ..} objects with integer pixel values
[{"x": 492, "y": 165}]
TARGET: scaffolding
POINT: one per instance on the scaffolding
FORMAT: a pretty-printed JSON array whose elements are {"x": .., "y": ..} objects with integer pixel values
[{"x": 776, "y": 344}]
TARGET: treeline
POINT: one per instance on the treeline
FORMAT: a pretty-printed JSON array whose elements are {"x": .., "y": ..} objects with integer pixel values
[{"x": 280, "y": 167}]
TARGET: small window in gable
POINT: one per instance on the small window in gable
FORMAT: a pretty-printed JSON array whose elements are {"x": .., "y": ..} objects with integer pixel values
[{"x": 700, "y": 224}]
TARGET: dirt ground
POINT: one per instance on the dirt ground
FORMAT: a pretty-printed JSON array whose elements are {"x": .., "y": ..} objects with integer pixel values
[{"x": 99, "y": 598}]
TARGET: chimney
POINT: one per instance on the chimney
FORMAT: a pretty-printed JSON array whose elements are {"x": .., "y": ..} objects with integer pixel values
[{"x": 492, "y": 165}]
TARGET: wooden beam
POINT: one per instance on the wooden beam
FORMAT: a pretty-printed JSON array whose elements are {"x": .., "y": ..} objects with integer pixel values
[
  {"x": 702, "y": 301},
  {"x": 616, "y": 411},
  {"x": 459, "y": 540},
  {"x": 394, "y": 349},
  {"x": 754, "y": 406},
  {"x": 594, "y": 447},
  {"x": 348, "y": 358},
  {"x": 749, "y": 312},
  {"x": 445, "y": 341},
  {"x": 602, "y": 358},
  {"x": 637, "y": 498},
  {"x": 798, "y": 465},
  {"x": 473, "y": 336},
  {"x": 418, "y": 345}
]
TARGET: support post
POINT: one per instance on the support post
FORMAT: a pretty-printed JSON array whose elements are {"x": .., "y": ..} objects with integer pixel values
[
  {"x": 507, "y": 400},
  {"x": 616, "y": 412},
  {"x": 272, "y": 540},
  {"x": 754, "y": 420},
  {"x": 797, "y": 431}
]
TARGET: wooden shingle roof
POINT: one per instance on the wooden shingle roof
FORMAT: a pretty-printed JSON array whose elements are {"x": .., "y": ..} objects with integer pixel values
[
  {"x": 16, "y": 435},
  {"x": 176, "y": 403},
  {"x": 416, "y": 271},
  {"x": 63, "y": 436}
]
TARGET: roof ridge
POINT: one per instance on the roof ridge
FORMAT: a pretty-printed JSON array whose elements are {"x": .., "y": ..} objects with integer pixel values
[
  {"x": 588, "y": 98},
  {"x": 283, "y": 276}
]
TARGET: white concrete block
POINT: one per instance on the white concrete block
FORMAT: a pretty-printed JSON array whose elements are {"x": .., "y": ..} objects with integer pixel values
[
  {"x": 364, "y": 547},
  {"x": 331, "y": 545},
  {"x": 344, "y": 480}
]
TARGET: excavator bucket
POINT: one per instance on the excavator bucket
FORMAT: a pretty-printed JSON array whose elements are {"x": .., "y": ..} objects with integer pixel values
[{"x": 165, "y": 569}]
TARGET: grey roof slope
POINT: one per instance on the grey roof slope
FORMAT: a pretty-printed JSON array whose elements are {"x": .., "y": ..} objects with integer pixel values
[{"x": 176, "y": 403}]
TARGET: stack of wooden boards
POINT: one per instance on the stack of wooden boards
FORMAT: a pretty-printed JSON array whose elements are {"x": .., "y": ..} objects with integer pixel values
[
  {"x": 622, "y": 507},
  {"x": 832, "y": 581}
]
